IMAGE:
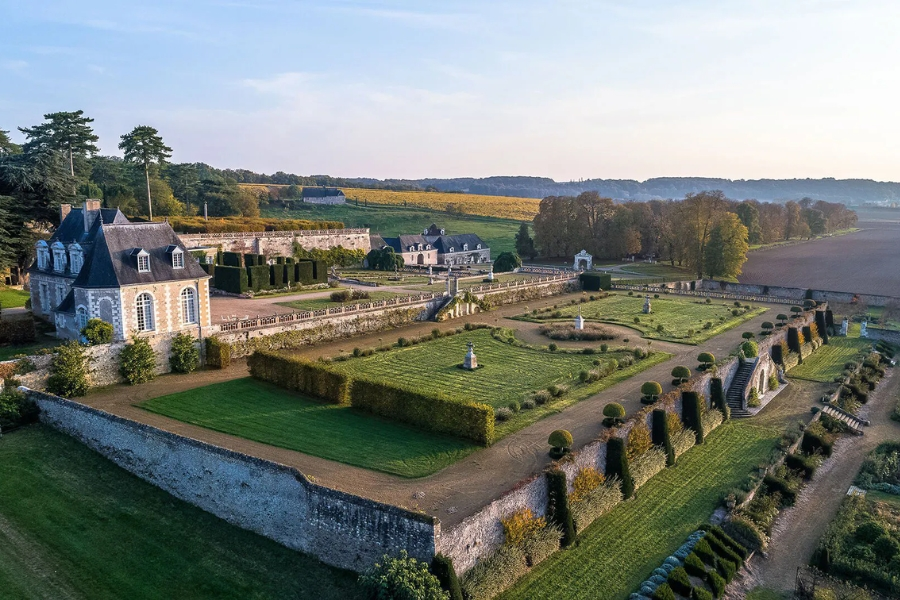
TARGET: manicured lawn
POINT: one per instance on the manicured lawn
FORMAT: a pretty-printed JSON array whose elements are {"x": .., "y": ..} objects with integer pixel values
[
  {"x": 74, "y": 525},
  {"x": 683, "y": 320},
  {"x": 320, "y": 303},
  {"x": 507, "y": 372},
  {"x": 9, "y": 351},
  {"x": 828, "y": 361},
  {"x": 663, "y": 270},
  {"x": 765, "y": 594},
  {"x": 264, "y": 413},
  {"x": 622, "y": 548},
  {"x": 12, "y": 298},
  {"x": 499, "y": 234}
]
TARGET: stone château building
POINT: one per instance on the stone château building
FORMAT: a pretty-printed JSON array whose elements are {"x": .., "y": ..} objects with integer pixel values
[
  {"x": 137, "y": 276},
  {"x": 322, "y": 195},
  {"x": 435, "y": 247}
]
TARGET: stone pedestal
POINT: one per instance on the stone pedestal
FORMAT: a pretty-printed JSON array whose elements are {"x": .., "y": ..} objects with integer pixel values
[
  {"x": 471, "y": 361},
  {"x": 647, "y": 309},
  {"x": 579, "y": 323},
  {"x": 864, "y": 329}
]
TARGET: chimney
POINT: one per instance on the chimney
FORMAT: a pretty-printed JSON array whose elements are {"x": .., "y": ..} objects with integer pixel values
[
  {"x": 90, "y": 205},
  {"x": 64, "y": 210}
]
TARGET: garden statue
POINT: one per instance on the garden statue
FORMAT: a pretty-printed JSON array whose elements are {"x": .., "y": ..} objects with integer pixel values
[
  {"x": 864, "y": 329},
  {"x": 647, "y": 305},
  {"x": 845, "y": 324},
  {"x": 471, "y": 362},
  {"x": 491, "y": 274},
  {"x": 579, "y": 321},
  {"x": 429, "y": 271}
]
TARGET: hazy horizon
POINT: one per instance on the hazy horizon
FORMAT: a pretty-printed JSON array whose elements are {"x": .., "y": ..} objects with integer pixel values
[{"x": 401, "y": 90}]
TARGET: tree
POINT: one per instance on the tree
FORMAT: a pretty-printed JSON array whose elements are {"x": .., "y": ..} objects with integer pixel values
[
  {"x": 143, "y": 145},
  {"x": 815, "y": 221},
  {"x": 793, "y": 218},
  {"x": 7, "y": 146},
  {"x": 67, "y": 132},
  {"x": 525, "y": 243},
  {"x": 561, "y": 441},
  {"x": 401, "y": 578},
  {"x": 184, "y": 180},
  {"x": 650, "y": 391},
  {"x": 707, "y": 360},
  {"x": 695, "y": 219},
  {"x": 185, "y": 355},
  {"x": 726, "y": 251},
  {"x": 749, "y": 216},
  {"x": 137, "y": 361},
  {"x": 69, "y": 371},
  {"x": 680, "y": 374},
  {"x": 507, "y": 261}
]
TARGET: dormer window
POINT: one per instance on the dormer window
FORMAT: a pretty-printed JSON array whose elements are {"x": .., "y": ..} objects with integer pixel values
[
  {"x": 412, "y": 248},
  {"x": 143, "y": 260},
  {"x": 43, "y": 255},
  {"x": 478, "y": 247},
  {"x": 177, "y": 258},
  {"x": 428, "y": 246},
  {"x": 452, "y": 249},
  {"x": 465, "y": 247},
  {"x": 59, "y": 256},
  {"x": 76, "y": 257}
]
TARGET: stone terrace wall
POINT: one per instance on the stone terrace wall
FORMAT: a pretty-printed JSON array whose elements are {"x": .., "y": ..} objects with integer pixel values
[
  {"x": 280, "y": 243},
  {"x": 798, "y": 294},
  {"x": 272, "y": 500},
  {"x": 481, "y": 534}
]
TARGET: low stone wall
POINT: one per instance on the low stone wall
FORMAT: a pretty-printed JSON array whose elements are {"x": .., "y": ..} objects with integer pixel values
[
  {"x": 272, "y": 500},
  {"x": 796, "y": 294},
  {"x": 279, "y": 243},
  {"x": 889, "y": 336}
]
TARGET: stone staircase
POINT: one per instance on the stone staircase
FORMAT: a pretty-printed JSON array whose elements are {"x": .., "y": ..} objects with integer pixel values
[
  {"x": 855, "y": 423},
  {"x": 735, "y": 394}
]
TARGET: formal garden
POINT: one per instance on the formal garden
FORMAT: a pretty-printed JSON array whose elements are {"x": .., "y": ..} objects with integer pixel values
[
  {"x": 683, "y": 320},
  {"x": 74, "y": 525}
]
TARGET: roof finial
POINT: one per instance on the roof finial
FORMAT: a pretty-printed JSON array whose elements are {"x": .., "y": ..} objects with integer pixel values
[{"x": 100, "y": 216}]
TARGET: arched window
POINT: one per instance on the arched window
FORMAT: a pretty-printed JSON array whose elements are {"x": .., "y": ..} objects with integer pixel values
[
  {"x": 188, "y": 306},
  {"x": 76, "y": 258},
  {"x": 465, "y": 247},
  {"x": 43, "y": 255},
  {"x": 59, "y": 256},
  {"x": 81, "y": 316},
  {"x": 144, "y": 312}
]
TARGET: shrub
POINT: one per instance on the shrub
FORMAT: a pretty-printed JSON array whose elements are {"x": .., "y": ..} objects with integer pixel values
[
  {"x": 704, "y": 552},
  {"x": 442, "y": 567},
  {"x": 401, "y": 578},
  {"x": 604, "y": 347},
  {"x": 218, "y": 353},
  {"x": 753, "y": 398},
  {"x": 727, "y": 569},
  {"x": 17, "y": 331},
  {"x": 69, "y": 371},
  {"x": 745, "y": 533},
  {"x": 617, "y": 465},
  {"x": 646, "y": 465},
  {"x": 552, "y": 347},
  {"x": 785, "y": 489},
  {"x": 16, "y": 409},
  {"x": 594, "y": 282},
  {"x": 560, "y": 441},
  {"x": 614, "y": 414},
  {"x": 680, "y": 582},
  {"x": 185, "y": 356},
  {"x": 558, "y": 506},
  {"x": 723, "y": 552},
  {"x": 502, "y": 414},
  {"x": 137, "y": 361},
  {"x": 717, "y": 584},
  {"x": 541, "y": 397},
  {"x": 496, "y": 573},
  {"x": 300, "y": 375},
  {"x": 694, "y": 566},
  {"x": 726, "y": 540},
  {"x": 97, "y": 331},
  {"x": 651, "y": 391},
  {"x": 750, "y": 349},
  {"x": 664, "y": 592},
  {"x": 586, "y": 481},
  {"x": 507, "y": 261},
  {"x": 806, "y": 465},
  {"x": 528, "y": 404},
  {"x": 691, "y": 414},
  {"x": 707, "y": 360},
  {"x": 638, "y": 440},
  {"x": 717, "y": 394},
  {"x": 814, "y": 442},
  {"x": 701, "y": 594},
  {"x": 773, "y": 381},
  {"x": 520, "y": 525},
  {"x": 590, "y": 505},
  {"x": 514, "y": 406},
  {"x": 681, "y": 374}
]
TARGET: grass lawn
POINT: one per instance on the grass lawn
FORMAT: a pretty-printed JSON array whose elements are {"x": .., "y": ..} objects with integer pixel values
[
  {"x": 74, "y": 525},
  {"x": 9, "y": 351},
  {"x": 666, "y": 271},
  {"x": 678, "y": 317},
  {"x": 264, "y": 413},
  {"x": 12, "y": 298},
  {"x": 765, "y": 594},
  {"x": 499, "y": 234},
  {"x": 827, "y": 362},
  {"x": 469, "y": 282},
  {"x": 507, "y": 374},
  {"x": 320, "y": 303},
  {"x": 619, "y": 550}
]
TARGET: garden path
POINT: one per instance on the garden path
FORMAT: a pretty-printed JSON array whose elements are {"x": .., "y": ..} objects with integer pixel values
[
  {"x": 460, "y": 489},
  {"x": 798, "y": 529}
]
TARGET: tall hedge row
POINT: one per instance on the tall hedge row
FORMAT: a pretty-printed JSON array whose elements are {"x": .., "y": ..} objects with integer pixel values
[
  {"x": 232, "y": 259},
  {"x": 558, "y": 506},
  {"x": 617, "y": 465},
  {"x": 303, "y": 272},
  {"x": 258, "y": 277},
  {"x": 594, "y": 282},
  {"x": 231, "y": 279},
  {"x": 822, "y": 326},
  {"x": 661, "y": 436},
  {"x": 691, "y": 413},
  {"x": 300, "y": 375},
  {"x": 276, "y": 276},
  {"x": 793, "y": 339},
  {"x": 288, "y": 273},
  {"x": 433, "y": 412},
  {"x": 717, "y": 394},
  {"x": 320, "y": 271},
  {"x": 218, "y": 353},
  {"x": 777, "y": 354}
]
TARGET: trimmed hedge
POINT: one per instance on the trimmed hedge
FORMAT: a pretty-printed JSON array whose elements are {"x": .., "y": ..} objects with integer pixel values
[
  {"x": 822, "y": 326},
  {"x": 300, "y": 375},
  {"x": 793, "y": 339},
  {"x": 717, "y": 394},
  {"x": 813, "y": 443},
  {"x": 442, "y": 567},
  {"x": 558, "y": 506},
  {"x": 717, "y": 584},
  {"x": 804, "y": 464},
  {"x": 717, "y": 533},
  {"x": 288, "y": 274},
  {"x": 434, "y": 413},
  {"x": 617, "y": 466},
  {"x": 661, "y": 436},
  {"x": 778, "y": 354},
  {"x": 17, "y": 331},
  {"x": 232, "y": 259},
  {"x": 320, "y": 271},
  {"x": 276, "y": 276},
  {"x": 303, "y": 272},
  {"x": 594, "y": 282},
  {"x": 664, "y": 592},
  {"x": 691, "y": 413},
  {"x": 787, "y": 491},
  {"x": 258, "y": 278},
  {"x": 680, "y": 582},
  {"x": 218, "y": 353},
  {"x": 231, "y": 279}
]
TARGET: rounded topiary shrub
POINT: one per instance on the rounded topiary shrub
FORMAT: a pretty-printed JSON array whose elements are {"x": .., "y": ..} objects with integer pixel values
[
  {"x": 706, "y": 359},
  {"x": 614, "y": 414},
  {"x": 750, "y": 349},
  {"x": 650, "y": 391},
  {"x": 560, "y": 442},
  {"x": 680, "y": 374}
]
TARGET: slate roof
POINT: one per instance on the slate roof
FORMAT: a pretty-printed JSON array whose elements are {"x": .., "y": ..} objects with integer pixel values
[
  {"x": 403, "y": 242},
  {"x": 112, "y": 262},
  {"x": 72, "y": 227},
  {"x": 443, "y": 243},
  {"x": 320, "y": 192}
]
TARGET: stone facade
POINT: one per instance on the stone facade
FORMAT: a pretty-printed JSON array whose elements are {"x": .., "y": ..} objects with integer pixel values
[
  {"x": 279, "y": 243},
  {"x": 272, "y": 500}
]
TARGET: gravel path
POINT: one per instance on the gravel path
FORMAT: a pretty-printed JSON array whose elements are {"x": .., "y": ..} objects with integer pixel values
[
  {"x": 460, "y": 489},
  {"x": 798, "y": 528}
]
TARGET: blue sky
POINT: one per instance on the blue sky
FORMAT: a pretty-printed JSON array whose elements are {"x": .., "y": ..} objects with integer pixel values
[{"x": 564, "y": 89}]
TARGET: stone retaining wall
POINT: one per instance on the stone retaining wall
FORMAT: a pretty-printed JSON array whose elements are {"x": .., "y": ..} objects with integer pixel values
[
  {"x": 796, "y": 294},
  {"x": 272, "y": 500},
  {"x": 280, "y": 243}
]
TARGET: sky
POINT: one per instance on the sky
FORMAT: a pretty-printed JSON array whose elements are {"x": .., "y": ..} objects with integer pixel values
[{"x": 565, "y": 89}]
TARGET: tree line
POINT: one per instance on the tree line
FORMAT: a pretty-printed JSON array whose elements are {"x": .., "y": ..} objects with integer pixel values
[{"x": 705, "y": 232}]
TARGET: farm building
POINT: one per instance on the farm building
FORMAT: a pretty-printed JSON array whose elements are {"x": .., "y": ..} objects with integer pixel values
[
  {"x": 322, "y": 195},
  {"x": 136, "y": 276},
  {"x": 435, "y": 247}
]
